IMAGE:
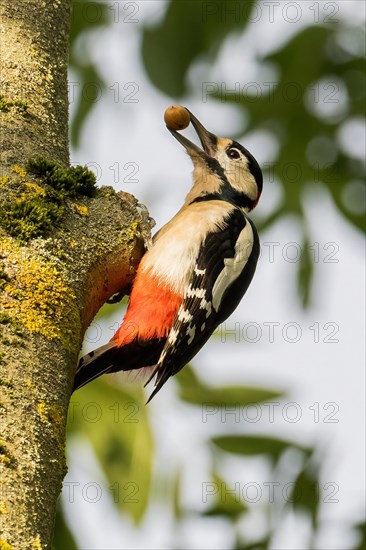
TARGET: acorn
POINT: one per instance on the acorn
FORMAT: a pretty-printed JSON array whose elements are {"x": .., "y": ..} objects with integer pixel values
[{"x": 176, "y": 117}]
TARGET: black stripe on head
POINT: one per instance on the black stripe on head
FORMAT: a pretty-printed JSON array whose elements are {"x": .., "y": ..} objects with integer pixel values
[
  {"x": 215, "y": 167},
  {"x": 253, "y": 165},
  {"x": 227, "y": 192}
]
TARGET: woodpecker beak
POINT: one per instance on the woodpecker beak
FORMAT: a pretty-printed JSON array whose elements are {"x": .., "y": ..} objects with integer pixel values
[{"x": 208, "y": 140}]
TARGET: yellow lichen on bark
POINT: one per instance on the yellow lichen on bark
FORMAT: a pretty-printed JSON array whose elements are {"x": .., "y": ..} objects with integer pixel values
[
  {"x": 81, "y": 209},
  {"x": 36, "y": 293}
]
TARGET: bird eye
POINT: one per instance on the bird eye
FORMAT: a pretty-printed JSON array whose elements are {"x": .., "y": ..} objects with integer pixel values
[{"x": 233, "y": 153}]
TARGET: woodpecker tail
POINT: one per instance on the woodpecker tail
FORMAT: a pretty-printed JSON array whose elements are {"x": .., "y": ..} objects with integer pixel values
[
  {"x": 111, "y": 358},
  {"x": 94, "y": 364}
]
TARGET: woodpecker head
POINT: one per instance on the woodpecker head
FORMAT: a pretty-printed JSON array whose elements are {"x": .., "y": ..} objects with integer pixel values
[{"x": 222, "y": 167}]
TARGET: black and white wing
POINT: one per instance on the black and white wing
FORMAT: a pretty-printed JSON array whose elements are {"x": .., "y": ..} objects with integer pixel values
[{"x": 224, "y": 269}]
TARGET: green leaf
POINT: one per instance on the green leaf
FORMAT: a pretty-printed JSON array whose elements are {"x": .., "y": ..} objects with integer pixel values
[
  {"x": 86, "y": 16},
  {"x": 262, "y": 544},
  {"x": 115, "y": 422},
  {"x": 361, "y": 528},
  {"x": 345, "y": 170},
  {"x": 177, "y": 507},
  {"x": 90, "y": 86},
  {"x": 284, "y": 111},
  {"x": 226, "y": 503},
  {"x": 248, "y": 445},
  {"x": 194, "y": 391},
  {"x": 305, "y": 274},
  {"x": 188, "y": 31},
  {"x": 353, "y": 74},
  {"x": 229, "y": 509},
  {"x": 305, "y": 493}
]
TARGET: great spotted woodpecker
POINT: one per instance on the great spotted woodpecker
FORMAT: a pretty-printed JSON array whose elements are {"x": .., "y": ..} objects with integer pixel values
[{"x": 197, "y": 270}]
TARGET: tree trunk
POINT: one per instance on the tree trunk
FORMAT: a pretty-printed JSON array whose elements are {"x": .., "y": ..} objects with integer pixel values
[{"x": 62, "y": 255}]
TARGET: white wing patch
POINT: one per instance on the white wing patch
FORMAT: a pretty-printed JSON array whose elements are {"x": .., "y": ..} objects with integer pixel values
[
  {"x": 173, "y": 335},
  {"x": 233, "y": 266},
  {"x": 207, "y": 306},
  {"x": 191, "y": 332},
  {"x": 184, "y": 315},
  {"x": 196, "y": 292}
]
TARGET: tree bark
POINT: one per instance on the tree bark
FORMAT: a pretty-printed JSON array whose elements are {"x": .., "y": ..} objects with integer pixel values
[
  {"x": 51, "y": 286},
  {"x": 34, "y": 57}
]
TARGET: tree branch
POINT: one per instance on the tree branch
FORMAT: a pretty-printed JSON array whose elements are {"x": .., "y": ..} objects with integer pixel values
[
  {"x": 34, "y": 59},
  {"x": 62, "y": 255},
  {"x": 51, "y": 290}
]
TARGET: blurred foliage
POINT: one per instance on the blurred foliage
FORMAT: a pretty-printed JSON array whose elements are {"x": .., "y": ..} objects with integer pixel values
[
  {"x": 115, "y": 423},
  {"x": 361, "y": 529},
  {"x": 318, "y": 84},
  {"x": 62, "y": 537},
  {"x": 230, "y": 507},
  {"x": 298, "y": 490},
  {"x": 226, "y": 501},
  {"x": 253, "y": 445},
  {"x": 168, "y": 54},
  {"x": 196, "y": 392},
  {"x": 87, "y": 17}
]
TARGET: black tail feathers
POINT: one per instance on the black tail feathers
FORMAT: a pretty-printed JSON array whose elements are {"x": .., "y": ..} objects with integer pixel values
[{"x": 110, "y": 358}]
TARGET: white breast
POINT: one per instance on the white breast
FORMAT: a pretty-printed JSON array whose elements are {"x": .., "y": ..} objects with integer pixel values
[{"x": 173, "y": 255}]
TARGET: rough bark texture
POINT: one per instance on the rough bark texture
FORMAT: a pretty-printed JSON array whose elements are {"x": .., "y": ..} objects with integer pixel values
[
  {"x": 34, "y": 54},
  {"x": 52, "y": 283},
  {"x": 51, "y": 289}
]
